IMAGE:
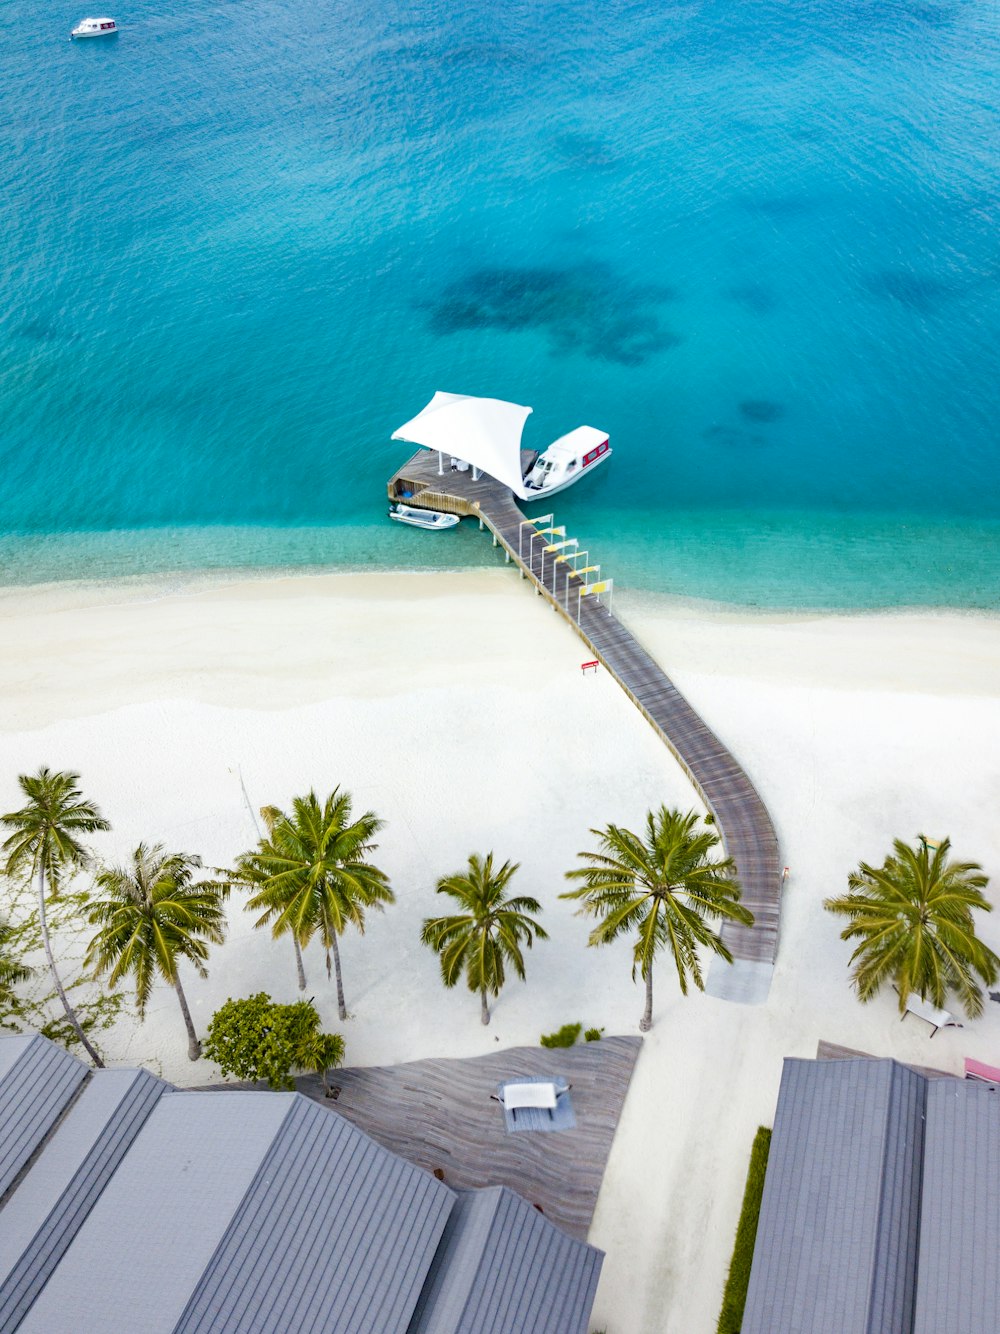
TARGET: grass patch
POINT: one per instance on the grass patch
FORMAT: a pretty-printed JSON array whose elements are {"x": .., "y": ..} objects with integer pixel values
[{"x": 735, "y": 1295}]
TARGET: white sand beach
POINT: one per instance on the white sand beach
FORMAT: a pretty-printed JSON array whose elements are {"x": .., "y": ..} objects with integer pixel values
[{"x": 454, "y": 706}]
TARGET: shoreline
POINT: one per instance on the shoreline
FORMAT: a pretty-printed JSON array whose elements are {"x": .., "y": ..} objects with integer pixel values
[
  {"x": 775, "y": 562},
  {"x": 454, "y": 706},
  {"x": 166, "y": 583}
]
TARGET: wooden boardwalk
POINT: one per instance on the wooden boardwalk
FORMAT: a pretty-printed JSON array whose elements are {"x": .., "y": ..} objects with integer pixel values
[
  {"x": 441, "y": 1116},
  {"x": 742, "y": 818}
]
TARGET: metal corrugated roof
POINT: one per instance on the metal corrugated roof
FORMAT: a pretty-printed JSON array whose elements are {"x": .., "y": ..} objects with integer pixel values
[
  {"x": 208, "y": 1213},
  {"x": 43, "y": 1214},
  {"x": 142, "y": 1250},
  {"x": 836, "y": 1240},
  {"x": 335, "y": 1233},
  {"x": 502, "y": 1268},
  {"x": 250, "y": 1212},
  {"x": 958, "y": 1275},
  {"x": 38, "y": 1080}
]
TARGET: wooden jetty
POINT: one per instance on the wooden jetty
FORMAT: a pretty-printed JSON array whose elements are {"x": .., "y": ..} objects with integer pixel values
[{"x": 743, "y": 821}]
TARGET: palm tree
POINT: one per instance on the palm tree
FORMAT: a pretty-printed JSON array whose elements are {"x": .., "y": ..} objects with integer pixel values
[
  {"x": 45, "y": 842},
  {"x": 311, "y": 874},
  {"x": 152, "y": 918},
  {"x": 912, "y": 918},
  {"x": 322, "y": 1052},
  {"x": 269, "y": 814},
  {"x": 488, "y": 935},
  {"x": 664, "y": 887}
]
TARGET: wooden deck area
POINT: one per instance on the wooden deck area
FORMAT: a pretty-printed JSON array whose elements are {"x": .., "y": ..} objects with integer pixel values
[
  {"x": 742, "y": 818},
  {"x": 440, "y": 1115},
  {"x": 830, "y": 1051}
]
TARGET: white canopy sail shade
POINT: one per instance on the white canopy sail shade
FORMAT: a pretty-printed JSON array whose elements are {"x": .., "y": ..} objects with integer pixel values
[{"x": 485, "y": 432}]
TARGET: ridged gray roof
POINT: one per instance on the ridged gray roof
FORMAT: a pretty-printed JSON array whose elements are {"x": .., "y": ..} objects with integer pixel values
[
  {"x": 502, "y": 1268},
  {"x": 837, "y": 1236},
  {"x": 38, "y": 1080},
  {"x": 249, "y": 1211},
  {"x": 161, "y": 1216},
  {"x": 334, "y": 1233},
  {"x": 958, "y": 1273},
  {"x": 134, "y": 1207},
  {"x": 42, "y": 1216}
]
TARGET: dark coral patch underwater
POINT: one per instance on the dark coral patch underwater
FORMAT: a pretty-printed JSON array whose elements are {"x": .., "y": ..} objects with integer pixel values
[
  {"x": 581, "y": 309},
  {"x": 919, "y": 291}
]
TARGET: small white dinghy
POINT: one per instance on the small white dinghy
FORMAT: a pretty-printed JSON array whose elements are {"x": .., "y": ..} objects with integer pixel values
[
  {"x": 434, "y": 520},
  {"x": 94, "y": 28}
]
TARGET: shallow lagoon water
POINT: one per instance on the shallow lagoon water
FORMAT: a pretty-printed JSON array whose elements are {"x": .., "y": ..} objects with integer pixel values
[{"x": 757, "y": 244}]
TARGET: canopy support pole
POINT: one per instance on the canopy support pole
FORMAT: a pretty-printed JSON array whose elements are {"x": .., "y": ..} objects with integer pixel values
[{"x": 440, "y": 464}]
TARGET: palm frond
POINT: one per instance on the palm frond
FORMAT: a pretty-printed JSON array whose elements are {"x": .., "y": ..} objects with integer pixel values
[
  {"x": 662, "y": 888},
  {"x": 912, "y": 921},
  {"x": 491, "y": 933}
]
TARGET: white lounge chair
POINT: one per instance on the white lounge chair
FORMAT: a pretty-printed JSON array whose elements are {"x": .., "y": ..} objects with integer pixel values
[
  {"x": 544, "y": 1095},
  {"x": 515, "y": 1096},
  {"x": 929, "y": 1013}
]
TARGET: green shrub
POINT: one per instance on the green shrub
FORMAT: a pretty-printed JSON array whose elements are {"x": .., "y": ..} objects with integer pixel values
[
  {"x": 593, "y": 1034},
  {"x": 566, "y": 1036},
  {"x": 735, "y": 1294},
  {"x": 255, "y": 1038},
  {"x": 709, "y": 818}
]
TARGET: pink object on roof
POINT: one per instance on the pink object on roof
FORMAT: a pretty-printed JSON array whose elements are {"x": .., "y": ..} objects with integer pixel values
[{"x": 977, "y": 1070}]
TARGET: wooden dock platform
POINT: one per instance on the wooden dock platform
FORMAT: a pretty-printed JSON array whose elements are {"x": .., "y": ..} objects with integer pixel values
[
  {"x": 743, "y": 821},
  {"x": 441, "y": 1115}
]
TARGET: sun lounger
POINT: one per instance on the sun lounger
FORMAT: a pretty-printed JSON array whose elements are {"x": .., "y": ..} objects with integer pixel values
[
  {"x": 543, "y": 1094},
  {"x": 930, "y": 1014},
  {"x": 529, "y": 1095},
  {"x": 978, "y": 1070}
]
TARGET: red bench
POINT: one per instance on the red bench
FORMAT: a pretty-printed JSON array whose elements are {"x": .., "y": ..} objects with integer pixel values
[{"x": 585, "y": 665}]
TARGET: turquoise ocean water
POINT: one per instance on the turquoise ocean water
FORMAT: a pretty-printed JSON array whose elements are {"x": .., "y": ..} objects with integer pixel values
[{"x": 757, "y": 243}]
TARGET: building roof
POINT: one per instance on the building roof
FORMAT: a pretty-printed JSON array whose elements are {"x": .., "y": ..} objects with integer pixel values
[
  {"x": 75, "y": 1164},
  {"x": 186, "y": 1212},
  {"x": 334, "y": 1233},
  {"x": 491, "y": 1233},
  {"x": 866, "y": 1223},
  {"x": 958, "y": 1269},
  {"x": 38, "y": 1080}
]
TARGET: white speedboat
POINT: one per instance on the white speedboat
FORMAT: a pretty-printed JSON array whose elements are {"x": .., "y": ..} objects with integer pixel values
[
  {"x": 566, "y": 460},
  {"x": 433, "y": 520},
  {"x": 95, "y": 28}
]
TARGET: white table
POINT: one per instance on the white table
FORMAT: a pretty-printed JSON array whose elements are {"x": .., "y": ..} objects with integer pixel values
[
  {"x": 929, "y": 1013},
  {"x": 529, "y": 1095}
]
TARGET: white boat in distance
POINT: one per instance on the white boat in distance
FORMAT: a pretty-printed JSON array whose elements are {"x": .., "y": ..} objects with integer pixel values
[
  {"x": 433, "y": 520},
  {"x": 566, "y": 460},
  {"x": 95, "y": 28}
]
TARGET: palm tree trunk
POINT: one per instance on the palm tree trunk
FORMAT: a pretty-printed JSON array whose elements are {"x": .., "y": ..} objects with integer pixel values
[
  {"x": 484, "y": 1011},
  {"x": 70, "y": 1012},
  {"x": 341, "y": 1006},
  {"x": 646, "y": 1022},
  {"x": 298, "y": 963},
  {"x": 194, "y": 1046}
]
